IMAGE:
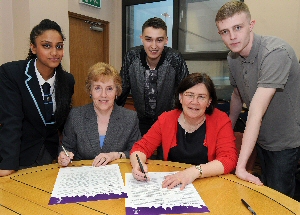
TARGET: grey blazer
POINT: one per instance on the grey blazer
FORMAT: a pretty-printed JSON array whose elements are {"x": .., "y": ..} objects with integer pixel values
[{"x": 81, "y": 136}]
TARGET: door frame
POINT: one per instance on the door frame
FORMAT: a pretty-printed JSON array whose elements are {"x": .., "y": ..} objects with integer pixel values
[{"x": 104, "y": 25}]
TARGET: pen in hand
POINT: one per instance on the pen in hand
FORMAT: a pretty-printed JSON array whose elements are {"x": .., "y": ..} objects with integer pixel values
[
  {"x": 141, "y": 166},
  {"x": 66, "y": 153},
  {"x": 248, "y": 206}
]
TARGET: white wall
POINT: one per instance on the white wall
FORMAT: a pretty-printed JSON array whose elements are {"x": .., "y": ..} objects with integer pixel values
[
  {"x": 279, "y": 18},
  {"x": 7, "y": 52},
  {"x": 18, "y": 17},
  {"x": 21, "y": 28}
]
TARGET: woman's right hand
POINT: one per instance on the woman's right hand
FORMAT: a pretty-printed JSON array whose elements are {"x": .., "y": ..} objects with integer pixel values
[
  {"x": 137, "y": 172},
  {"x": 63, "y": 159}
]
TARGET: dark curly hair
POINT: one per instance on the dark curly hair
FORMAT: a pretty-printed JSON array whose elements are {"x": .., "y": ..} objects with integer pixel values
[
  {"x": 192, "y": 80},
  {"x": 156, "y": 23}
]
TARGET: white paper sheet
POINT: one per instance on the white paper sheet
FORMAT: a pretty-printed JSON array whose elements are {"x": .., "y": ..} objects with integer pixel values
[
  {"x": 150, "y": 194},
  {"x": 88, "y": 181}
]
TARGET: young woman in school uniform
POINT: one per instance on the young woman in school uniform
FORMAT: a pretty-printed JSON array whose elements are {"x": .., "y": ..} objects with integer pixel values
[{"x": 29, "y": 134}]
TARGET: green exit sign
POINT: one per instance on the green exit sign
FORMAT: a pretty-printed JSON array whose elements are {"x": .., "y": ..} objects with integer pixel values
[{"x": 93, "y": 3}]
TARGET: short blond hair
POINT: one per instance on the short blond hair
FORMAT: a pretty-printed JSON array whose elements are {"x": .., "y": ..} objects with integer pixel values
[
  {"x": 103, "y": 71},
  {"x": 231, "y": 8}
]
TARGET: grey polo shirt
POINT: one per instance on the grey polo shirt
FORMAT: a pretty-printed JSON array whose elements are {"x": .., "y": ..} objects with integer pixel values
[{"x": 272, "y": 63}]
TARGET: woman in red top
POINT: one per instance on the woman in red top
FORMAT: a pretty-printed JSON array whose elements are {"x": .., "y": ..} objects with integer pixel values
[{"x": 194, "y": 133}]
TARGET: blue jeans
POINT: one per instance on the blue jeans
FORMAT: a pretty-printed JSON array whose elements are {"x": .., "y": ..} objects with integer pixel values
[{"x": 279, "y": 169}]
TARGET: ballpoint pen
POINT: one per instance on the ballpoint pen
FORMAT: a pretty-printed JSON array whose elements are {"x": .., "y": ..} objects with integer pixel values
[
  {"x": 141, "y": 166},
  {"x": 66, "y": 153},
  {"x": 248, "y": 206}
]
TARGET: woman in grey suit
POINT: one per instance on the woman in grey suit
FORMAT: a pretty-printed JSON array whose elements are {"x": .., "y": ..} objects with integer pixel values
[{"x": 101, "y": 130}]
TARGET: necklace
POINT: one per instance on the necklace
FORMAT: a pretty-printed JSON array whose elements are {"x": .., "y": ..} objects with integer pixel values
[{"x": 191, "y": 128}]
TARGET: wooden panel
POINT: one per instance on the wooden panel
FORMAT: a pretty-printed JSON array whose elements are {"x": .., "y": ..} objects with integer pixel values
[
  {"x": 129, "y": 103},
  {"x": 28, "y": 191},
  {"x": 87, "y": 47}
]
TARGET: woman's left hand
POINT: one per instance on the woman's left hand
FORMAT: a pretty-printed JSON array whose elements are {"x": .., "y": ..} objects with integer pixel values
[
  {"x": 104, "y": 158},
  {"x": 184, "y": 178}
]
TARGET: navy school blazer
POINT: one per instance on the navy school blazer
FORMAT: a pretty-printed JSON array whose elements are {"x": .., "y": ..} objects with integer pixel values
[{"x": 23, "y": 129}]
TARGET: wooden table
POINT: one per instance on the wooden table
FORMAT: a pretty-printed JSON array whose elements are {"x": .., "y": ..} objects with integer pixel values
[{"x": 28, "y": 191}]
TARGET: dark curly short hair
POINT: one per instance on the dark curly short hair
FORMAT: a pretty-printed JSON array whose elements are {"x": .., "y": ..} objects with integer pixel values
[
  {"x": 192, "y": 80},
  {"x": 156, "y": 23}
]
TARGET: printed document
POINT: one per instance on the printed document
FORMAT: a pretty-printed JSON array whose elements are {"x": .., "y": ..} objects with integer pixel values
[
  {"x": 87, "y": 183},
  {"x": 150, "y": 198}
]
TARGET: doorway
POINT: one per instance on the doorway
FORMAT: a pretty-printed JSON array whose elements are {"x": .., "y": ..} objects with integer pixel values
[{"x": 89, "y": 44}]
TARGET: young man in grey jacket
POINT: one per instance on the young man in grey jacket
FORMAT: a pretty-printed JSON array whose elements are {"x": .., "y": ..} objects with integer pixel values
[{"x": 152, "y": 72}]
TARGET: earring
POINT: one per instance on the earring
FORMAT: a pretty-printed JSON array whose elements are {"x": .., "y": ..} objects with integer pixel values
[
  {"x": 116, "y": 97},
  {"x": 90, "y": 95}
]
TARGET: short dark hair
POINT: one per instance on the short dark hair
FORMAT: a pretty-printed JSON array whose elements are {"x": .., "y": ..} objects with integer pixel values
[
  {"x": 155, "y": 22},
  {"x": 44, "y": 25},
  {"x": 231, "y": 8},
  {"x": 192, "y": 80}
]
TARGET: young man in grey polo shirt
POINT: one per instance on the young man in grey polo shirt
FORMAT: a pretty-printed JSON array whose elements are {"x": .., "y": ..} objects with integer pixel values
[{"x": 265, "y": 74}]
